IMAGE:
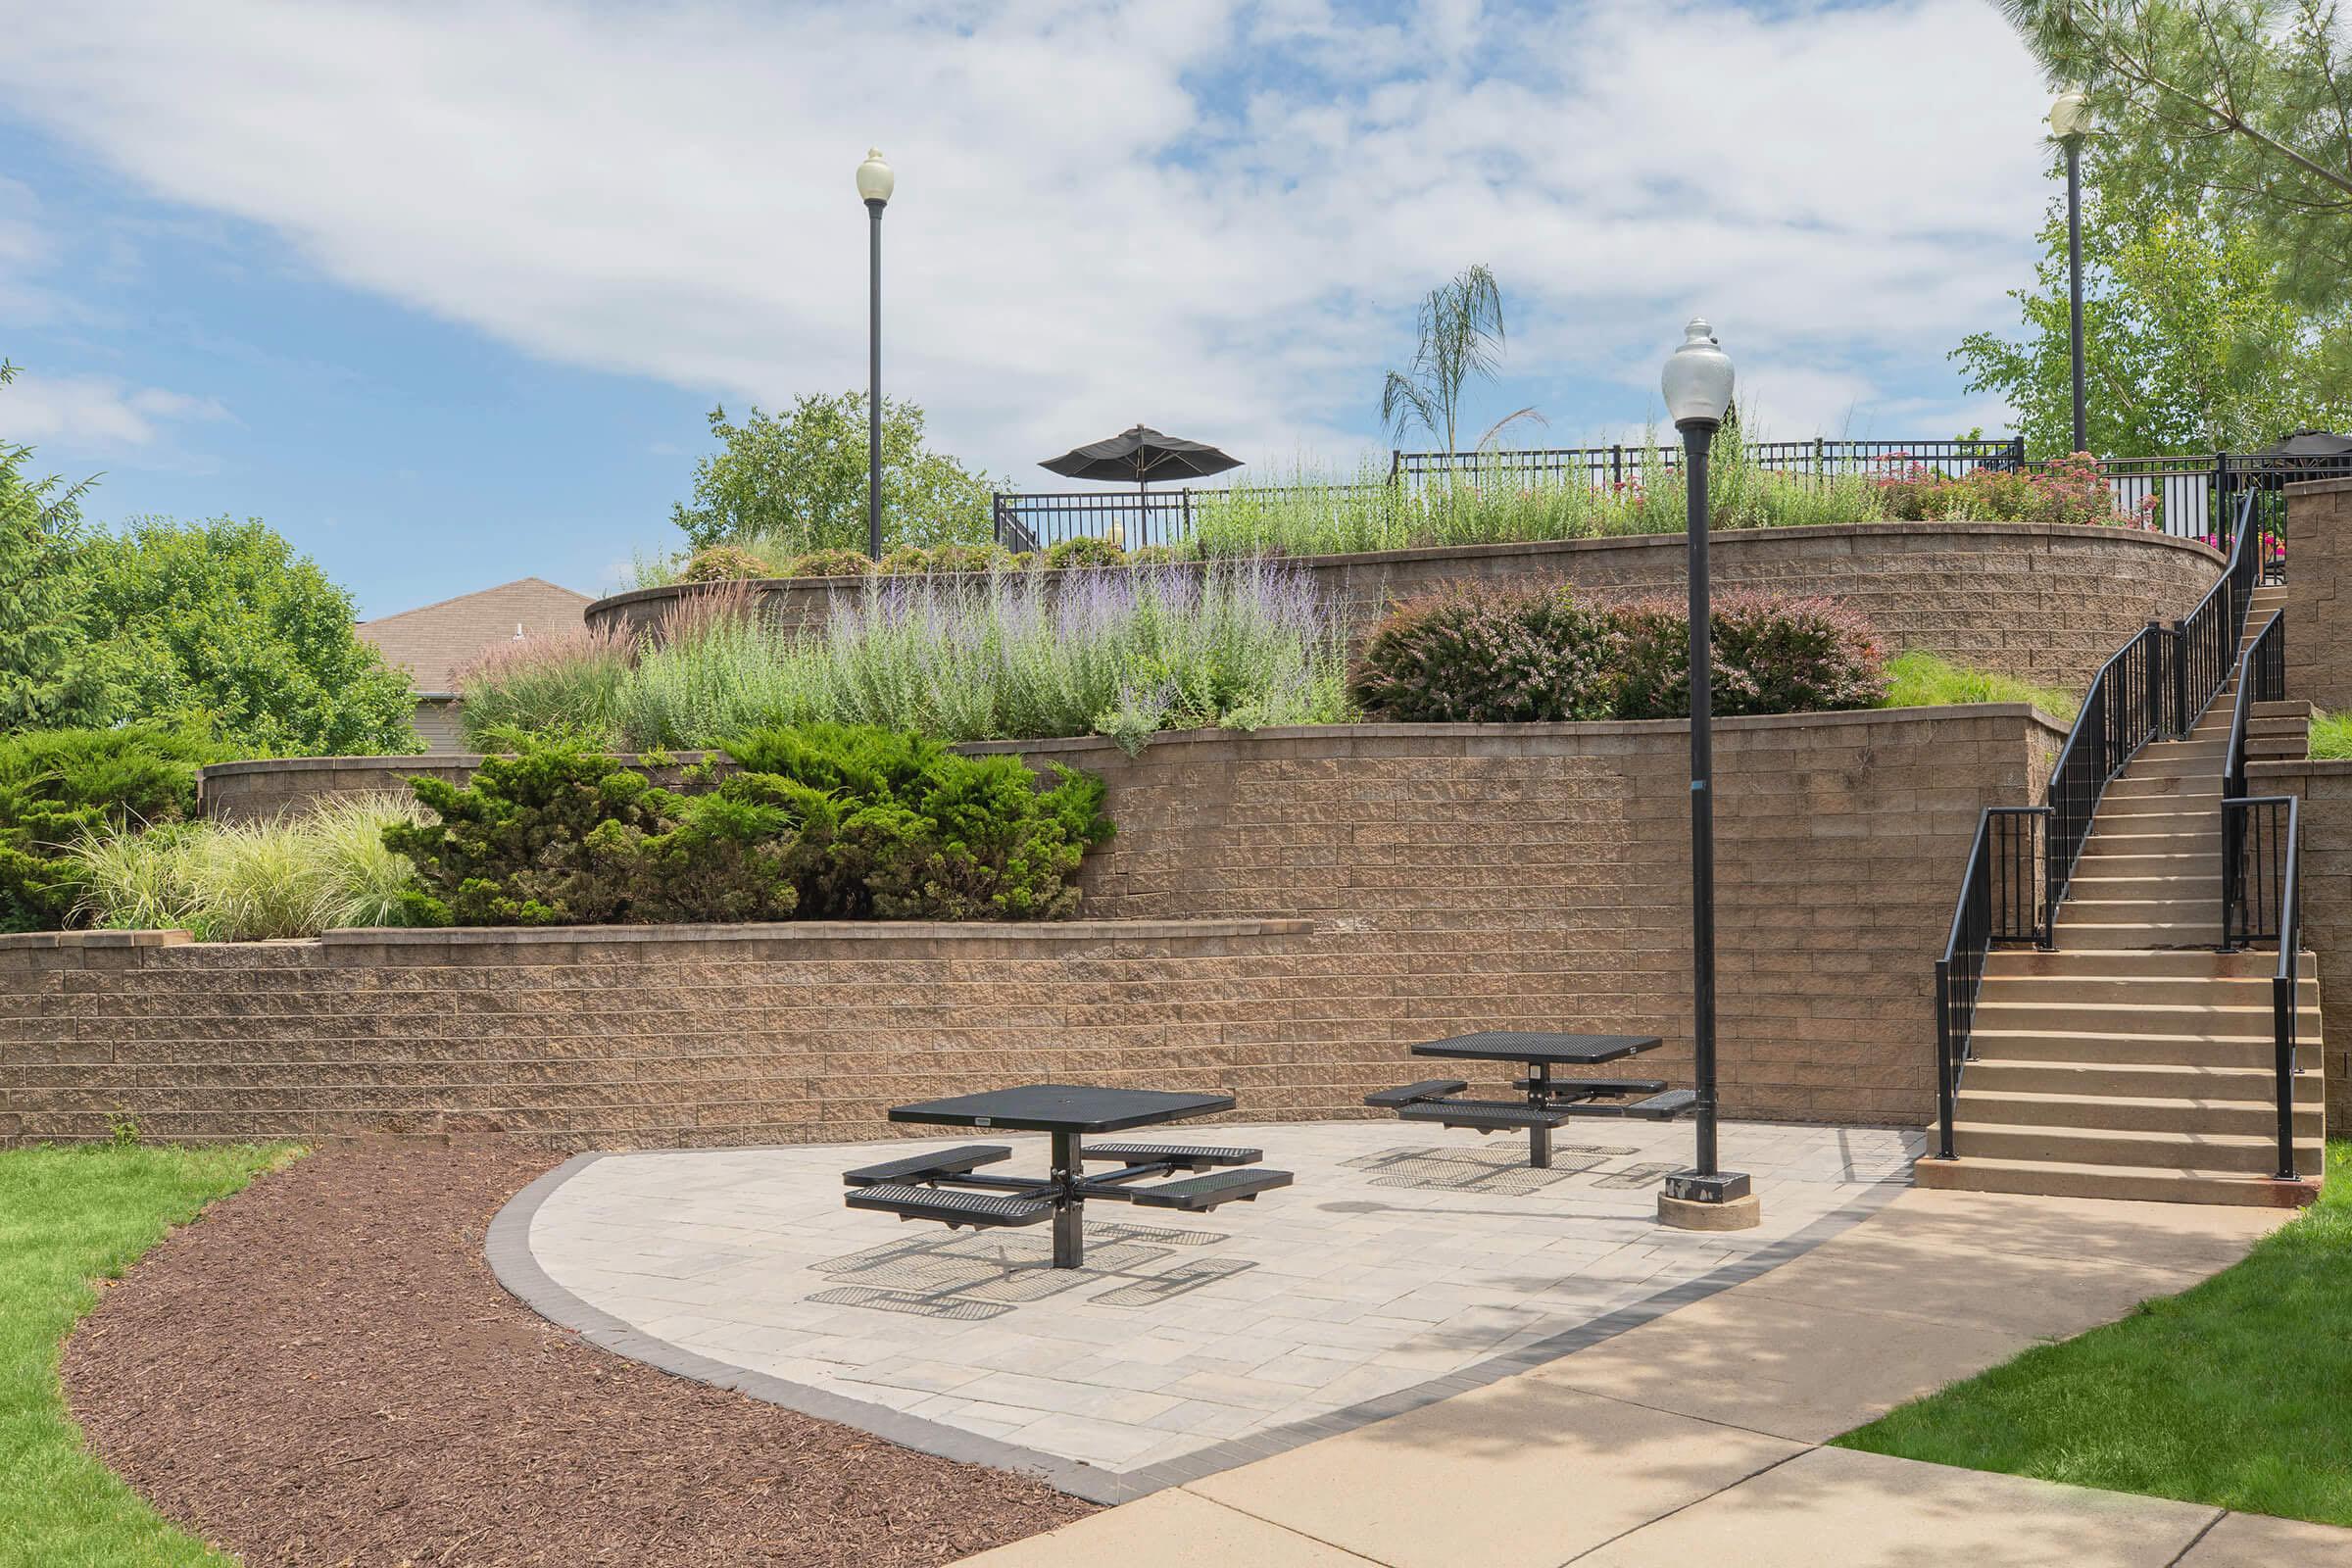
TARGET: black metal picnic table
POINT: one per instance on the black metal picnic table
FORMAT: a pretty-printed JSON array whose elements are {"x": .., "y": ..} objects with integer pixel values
[
  {"x": 942, "y": 1186},
  {"x": 1550, "y": 1102}
]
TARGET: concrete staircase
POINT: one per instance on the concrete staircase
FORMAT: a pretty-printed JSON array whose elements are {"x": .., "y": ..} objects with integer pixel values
[{"x": 2136, "y": 1060}]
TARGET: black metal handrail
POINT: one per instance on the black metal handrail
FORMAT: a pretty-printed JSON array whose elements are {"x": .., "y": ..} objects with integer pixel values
[
  {"x": 2001, "y": 899},
  {"x": 2261, "y": 678},
  {"x": 2266, "y": 867},
  {"x": 2205, "y": 639},
  {"x": 2122, "y": 710}
]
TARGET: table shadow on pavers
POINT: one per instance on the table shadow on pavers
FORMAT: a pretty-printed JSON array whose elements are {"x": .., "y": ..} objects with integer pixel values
[
  {"x": 974, "y": 1278},
  {"x": 1503, "y": 1171}
]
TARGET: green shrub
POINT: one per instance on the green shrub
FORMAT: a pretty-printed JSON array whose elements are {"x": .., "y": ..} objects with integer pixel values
[
  {"x": 1463, "y": 655},
  {"x": 1085, "y": 550},
  {"x": 830, "y": 564},
  {"x": 323, "y": 869},
  {"x": 1469, "y": 653},
  {"x": 820, "y": 822},
  {"x": 58, "y": 787},
  {"x": 900, "y": 828},
  {"x": 909, "y": 560},
  {"x": 723, "y": 563},
  {"x": 1773, "y": 654}
]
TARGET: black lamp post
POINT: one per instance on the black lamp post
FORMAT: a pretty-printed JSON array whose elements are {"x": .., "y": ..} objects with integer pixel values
[
  {"x": 875, "y": 185},
  {"x": 2069, "y": 121},
  {"x": 1697, "y": 384}
]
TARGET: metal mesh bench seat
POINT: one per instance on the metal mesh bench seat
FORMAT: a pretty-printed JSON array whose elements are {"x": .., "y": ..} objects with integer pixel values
[
  {"x": 918, "y": 1168},
  {"x": 1484, "y": 1115},
  {"x": 1592, "y": 1086},
  {"x": 950, "y": 1206},
  {"x": 1208, "y": 1191},
  {"x": 1429, "y": 1089},
  {"x": 1658, "y": 1107},
  {"x": 1184, "y": 1157}
]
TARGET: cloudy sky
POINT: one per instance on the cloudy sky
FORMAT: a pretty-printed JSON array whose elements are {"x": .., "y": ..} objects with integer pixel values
[{"x": 442, "y": 292}]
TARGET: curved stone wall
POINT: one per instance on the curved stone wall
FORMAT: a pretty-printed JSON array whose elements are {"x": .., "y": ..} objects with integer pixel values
[
  {"x": 1363, "y": 887},
  {"x": 2044, "y": 602}
]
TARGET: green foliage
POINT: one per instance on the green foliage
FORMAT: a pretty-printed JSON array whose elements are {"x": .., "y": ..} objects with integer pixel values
[
  {"x": 326, "y": 868},
  {"x": 57, "y": 787},
  {"x": 2331, "y": 735},
  {"x": 220, "y": 625},
  {"x": 909, "y": 560},
  {"x": 1463, "y": 655},
  {"x": 1084, "y": 550},
  {"x": 75, "y": 1217},
  {"x": 830, "y": 564},
  {"x": 820, "y": 822},
  {"x": 568, "y": 685},
  {"x": 1470, "y": 654},
  {"x": 47, "y": 678},
  {"x": 2189, "y": 344},
  {"x": 784, "y": 485},
  {"x": 1921, "y": 679},
  {"x": 2232, "y": 108},
  {"x": 723, "y": 563},
  {"x": 2229, "y": 1394},
  {"x": 1461, "y": 339}
]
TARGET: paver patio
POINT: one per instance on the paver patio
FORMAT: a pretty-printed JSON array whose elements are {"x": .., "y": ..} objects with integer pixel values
[{"x": 1403, "y": 1268}]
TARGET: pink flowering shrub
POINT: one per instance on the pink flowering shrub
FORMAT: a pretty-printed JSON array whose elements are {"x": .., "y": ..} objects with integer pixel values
[
  {"x": 1471, "y": 655},
  {"x": 2070, "y": 489}
]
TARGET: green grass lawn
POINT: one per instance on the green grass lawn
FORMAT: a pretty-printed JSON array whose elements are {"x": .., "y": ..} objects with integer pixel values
[
  {"x": 69, "y": 1217},
  {"x": 1921, "y": 679},
  {"x": 2238, "y": 1393},
  {"x": 2331, "y": 735}
]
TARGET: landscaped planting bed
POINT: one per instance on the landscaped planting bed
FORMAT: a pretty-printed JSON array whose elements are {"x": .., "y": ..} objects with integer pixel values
[{"x": 324, "y": 1372}]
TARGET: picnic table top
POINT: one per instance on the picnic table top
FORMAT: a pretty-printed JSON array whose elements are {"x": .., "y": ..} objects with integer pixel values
[
  {"x": 1505, "y": 1045},
  {"x": 1063, "y": 1109}
]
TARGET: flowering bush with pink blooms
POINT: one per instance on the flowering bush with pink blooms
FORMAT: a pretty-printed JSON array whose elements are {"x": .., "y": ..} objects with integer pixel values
[{"x": 2072, "y": 489}]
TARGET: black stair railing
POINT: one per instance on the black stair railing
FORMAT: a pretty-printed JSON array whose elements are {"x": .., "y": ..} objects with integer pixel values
[
  {"x": 2002, "y": 899},
  {"x": 2123, "y": 710},
  {"x": 2205, "y": 639},
  {"x": 2263, "y": 870}
]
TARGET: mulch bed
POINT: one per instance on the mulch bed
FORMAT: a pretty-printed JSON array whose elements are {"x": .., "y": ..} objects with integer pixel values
[{"x": 324, "y": 1371}]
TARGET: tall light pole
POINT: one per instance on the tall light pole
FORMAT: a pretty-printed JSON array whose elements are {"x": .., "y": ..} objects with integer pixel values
[
  {"x": 1697, "y": 383},
  {"x": 875, "y": 185},
  {"x": 2069, "y": 121}
]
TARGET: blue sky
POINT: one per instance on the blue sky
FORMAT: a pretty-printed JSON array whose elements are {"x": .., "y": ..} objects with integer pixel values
[{"x": 443, "y": 293}]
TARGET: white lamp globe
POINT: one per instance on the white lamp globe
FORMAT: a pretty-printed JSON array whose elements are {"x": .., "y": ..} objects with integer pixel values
[
  {"x": 2069, "y": 116},
  {"x": 874, "y": 178},
  {"x": 1697, "y": 381}
]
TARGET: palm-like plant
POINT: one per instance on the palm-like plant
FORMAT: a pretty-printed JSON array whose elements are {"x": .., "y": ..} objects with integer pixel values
[{"x": 1461, "y": 337}]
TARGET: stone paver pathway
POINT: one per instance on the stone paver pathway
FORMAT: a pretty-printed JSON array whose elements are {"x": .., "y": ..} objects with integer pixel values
[
  {"x": 1405, "y": 1266},
  {"x": 1693, "y": 1438}
]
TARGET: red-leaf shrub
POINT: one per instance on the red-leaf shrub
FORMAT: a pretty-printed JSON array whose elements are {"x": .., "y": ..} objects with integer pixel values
[{"x": 1469, "y": 655}]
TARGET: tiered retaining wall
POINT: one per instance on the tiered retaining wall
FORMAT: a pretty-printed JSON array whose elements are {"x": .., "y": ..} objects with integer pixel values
[
  {"x": 2045, "y": 602},
  {"x": 1363, "y": 887}
]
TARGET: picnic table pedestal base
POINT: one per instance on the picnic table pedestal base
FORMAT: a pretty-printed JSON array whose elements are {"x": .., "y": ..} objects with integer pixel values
[
  {"x": 1721, "y": 1201},
  {"x": 1069, "y": 1203}
]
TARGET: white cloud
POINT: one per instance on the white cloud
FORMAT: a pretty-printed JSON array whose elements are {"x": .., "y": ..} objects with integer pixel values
[
  {"x": 91, "y": 414},
  {"x": 1212, "y": 215}
]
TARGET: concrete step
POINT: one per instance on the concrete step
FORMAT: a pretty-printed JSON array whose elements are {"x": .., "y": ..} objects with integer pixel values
[
  {"x": 2096, "y": 884},
  {"x": 2161, "y": 1025},
  {"x": 2157, "y": 1185},
  {"x": 2004, "y": 1039},
  {"x": 2252, "y": 1155},
  {"x": 2247, "y": 962},
  {"x": 2147, "y": 1114},
  {"x": 2184, "y": 933},
  {"x": 2131, "y": 786},
  {"x": 2143, "y": 990},
  {"x": 2171, "y": 803},
  {"x": 2143, "y": 1080}
]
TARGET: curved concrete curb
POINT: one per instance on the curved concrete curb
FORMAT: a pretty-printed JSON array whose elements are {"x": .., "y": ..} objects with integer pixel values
[{"x": 508, "y": 1249}]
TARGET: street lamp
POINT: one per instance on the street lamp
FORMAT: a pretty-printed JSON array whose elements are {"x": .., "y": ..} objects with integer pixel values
[
  {"x": 875, "y": 185},
  {"x": 1697, "y": 384},
  {"x": 2070, "y": 123}
]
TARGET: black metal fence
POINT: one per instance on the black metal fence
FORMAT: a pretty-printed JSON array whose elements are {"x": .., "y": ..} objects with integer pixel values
[{"x": 2193, "y": 492}]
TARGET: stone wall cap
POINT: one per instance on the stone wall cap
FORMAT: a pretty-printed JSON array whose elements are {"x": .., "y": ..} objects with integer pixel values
[
  {"x": 816, "y": 931},
  {"x": 2319, "y": 487},
  {"x": 22, "y": 940},
  {"x": 423, "y": 763}
]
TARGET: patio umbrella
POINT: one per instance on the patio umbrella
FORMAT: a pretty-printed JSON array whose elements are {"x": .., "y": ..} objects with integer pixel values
[
  {"x": 2307, "y": 445},
  {"x": 1142, "y": 454}
]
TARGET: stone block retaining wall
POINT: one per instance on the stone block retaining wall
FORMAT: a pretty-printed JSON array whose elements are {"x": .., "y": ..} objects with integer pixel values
[
  {"x": 2325, "y": 789},
  {"x": 2048, "y": 603},
  {"x": 1362, "y": 888}
]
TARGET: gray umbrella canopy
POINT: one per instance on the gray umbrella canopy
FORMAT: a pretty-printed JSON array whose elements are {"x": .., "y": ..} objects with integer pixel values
[
  {"x": 1140, "y": 455},
  {"x": 2307, "y": 445}
]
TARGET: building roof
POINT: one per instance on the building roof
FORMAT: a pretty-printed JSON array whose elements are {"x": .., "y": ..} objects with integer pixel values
[{"x": 435, "y": 641}]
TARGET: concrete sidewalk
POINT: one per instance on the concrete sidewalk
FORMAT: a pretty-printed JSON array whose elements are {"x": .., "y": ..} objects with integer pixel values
[{"x": 1695, "y": 1438}]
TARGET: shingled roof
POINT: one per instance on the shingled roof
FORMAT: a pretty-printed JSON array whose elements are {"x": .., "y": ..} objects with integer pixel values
[{"x": 435, "y": 641}]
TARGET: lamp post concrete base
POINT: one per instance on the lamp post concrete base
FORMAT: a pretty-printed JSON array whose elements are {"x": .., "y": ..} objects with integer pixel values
[{"x": 1734, "y": 1214}]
